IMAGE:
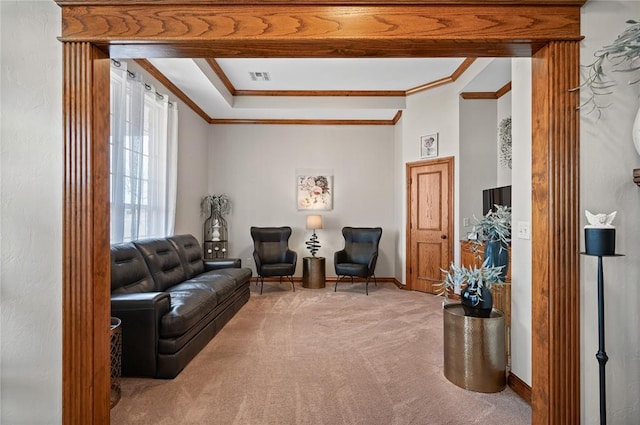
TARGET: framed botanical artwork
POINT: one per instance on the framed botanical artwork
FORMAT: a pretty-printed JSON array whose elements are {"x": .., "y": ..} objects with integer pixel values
[
  {"x": 314, "y": 192},
  {"x": 429, "y": 145}
]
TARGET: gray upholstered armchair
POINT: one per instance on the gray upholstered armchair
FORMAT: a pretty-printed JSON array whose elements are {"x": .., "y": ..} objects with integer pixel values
[
  {"x": 272, "y": 254},
  {"x": 359, "y": 256}
]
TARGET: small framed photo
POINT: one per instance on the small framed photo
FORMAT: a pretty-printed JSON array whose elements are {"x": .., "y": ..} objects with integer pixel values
[{"x": 429, "y": 145}]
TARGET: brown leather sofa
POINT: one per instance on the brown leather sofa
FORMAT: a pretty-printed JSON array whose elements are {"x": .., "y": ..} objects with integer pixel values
[{"x": 171, "y": 302}]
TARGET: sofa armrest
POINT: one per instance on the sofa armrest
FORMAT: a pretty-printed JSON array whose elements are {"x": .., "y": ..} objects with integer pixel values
[
  {"x": 140, "y": 314},
  {"x": 222, "y": 263}
]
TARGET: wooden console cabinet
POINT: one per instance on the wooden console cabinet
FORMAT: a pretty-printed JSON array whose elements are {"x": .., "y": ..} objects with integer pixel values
[{"x": 470, "y": 258}]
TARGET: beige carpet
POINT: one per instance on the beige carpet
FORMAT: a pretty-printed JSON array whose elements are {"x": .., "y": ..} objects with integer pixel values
[{"x": 319, "y": 357}]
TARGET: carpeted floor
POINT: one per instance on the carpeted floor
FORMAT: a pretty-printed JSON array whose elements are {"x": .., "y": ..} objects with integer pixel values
[{"x": 319, "y": 357}]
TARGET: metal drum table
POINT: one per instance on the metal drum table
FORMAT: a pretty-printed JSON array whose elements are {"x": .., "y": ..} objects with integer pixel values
[
  {"x": 474, "y": 356},
  {"x": 313, "y": 272}
]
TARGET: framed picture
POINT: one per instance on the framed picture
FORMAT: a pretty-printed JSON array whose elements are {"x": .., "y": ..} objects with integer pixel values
[
  {"x": 429, "y": 145},
  {"x": 315, "y": 192}
]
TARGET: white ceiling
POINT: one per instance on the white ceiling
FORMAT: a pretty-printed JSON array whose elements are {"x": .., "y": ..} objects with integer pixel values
[{"x": 201, "y": 84}]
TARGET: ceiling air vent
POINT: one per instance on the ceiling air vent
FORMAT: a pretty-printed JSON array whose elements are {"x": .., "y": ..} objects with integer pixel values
[{"x": 260, "y": 76}]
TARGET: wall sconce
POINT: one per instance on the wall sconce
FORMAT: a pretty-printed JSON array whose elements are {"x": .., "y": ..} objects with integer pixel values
[{"x": 313, "y": 222}]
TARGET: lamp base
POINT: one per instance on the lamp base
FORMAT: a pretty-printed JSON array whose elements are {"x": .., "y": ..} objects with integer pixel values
[{"x": 312, "y": 244}]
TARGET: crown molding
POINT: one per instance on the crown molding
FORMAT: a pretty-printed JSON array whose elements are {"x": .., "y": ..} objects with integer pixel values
[{"x": 481, "y": 95}]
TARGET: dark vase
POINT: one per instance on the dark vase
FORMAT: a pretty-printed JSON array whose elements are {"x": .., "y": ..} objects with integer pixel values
[
  {"x": 474, "y": 305},
  {"x": 498, "y": 254}
]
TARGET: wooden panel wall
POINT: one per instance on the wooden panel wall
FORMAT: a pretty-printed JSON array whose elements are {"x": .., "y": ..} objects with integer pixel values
[
  {"x": 555, "y": 239},
  {"x": 85, "y": 280}
]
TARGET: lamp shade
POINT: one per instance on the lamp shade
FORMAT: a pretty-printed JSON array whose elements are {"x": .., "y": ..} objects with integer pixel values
[{"x": 314, "y": 222}]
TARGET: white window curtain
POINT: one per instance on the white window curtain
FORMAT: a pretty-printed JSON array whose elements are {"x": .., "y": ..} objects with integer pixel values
[{"x": 144, "y": 158}]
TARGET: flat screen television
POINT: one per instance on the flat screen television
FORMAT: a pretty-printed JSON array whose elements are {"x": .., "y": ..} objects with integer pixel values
[{"x": 495, "y": 196}]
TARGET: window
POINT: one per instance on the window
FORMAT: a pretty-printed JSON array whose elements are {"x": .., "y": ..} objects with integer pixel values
[{"x": 143, "y": 154}]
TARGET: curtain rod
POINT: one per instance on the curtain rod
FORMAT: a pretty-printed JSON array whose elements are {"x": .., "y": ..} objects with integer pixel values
[{"x": 146, "y": 86}]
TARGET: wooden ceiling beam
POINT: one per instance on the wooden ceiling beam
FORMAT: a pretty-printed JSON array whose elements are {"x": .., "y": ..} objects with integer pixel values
[{"x": 434, "y": 29}]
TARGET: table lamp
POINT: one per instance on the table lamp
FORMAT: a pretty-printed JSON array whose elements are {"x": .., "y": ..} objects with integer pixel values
[{"x": 313, "y": 222}]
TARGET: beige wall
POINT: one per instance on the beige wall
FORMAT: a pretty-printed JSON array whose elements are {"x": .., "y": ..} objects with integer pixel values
[
  {"x": 256, "y": 165},
  {"x": 607, "y": 161},
  {"x": 521, "y": 211},
  {"x": 30, "y": 213},
  {"x": 478, "y": 158}
]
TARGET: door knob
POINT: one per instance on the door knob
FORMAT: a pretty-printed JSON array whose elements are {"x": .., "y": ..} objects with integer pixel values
[{"x": 443, "y": 236}]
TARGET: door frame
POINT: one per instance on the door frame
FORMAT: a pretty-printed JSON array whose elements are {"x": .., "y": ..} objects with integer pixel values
[
  {"x": 451, "y": 179},
  {"x": 93, "y": 30}
]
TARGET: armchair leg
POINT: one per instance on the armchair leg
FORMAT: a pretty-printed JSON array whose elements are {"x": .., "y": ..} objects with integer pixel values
[
  {"x": 293, "y": 286},
  {"x": 261, "y": 284},
  {"x": 366, "y": 286},
  {"x": 335, "y": 288}
]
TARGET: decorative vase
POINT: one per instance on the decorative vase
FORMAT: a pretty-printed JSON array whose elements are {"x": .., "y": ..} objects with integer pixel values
[
  {"x": 635, "y": 132},
  {"x": 215, "y": 236},
  {"x": 498, "y": 254},
  {"x": 600, "y": 241},
  {"x": 215, "y": 227},
  {"x": 474, "y": 304}
]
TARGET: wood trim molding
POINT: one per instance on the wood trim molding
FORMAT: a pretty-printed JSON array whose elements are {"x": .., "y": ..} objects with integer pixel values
[
  {"x": 303, "y": 30},
  {"x": 155, "y": 72},
  {"x": 503, "y": 90},
  {"x": 85, "y": 245},
  {"x": 519, "y": 387},
  {"x": 478, "y": 95},
  {"x": 399, "y": 284},
  {"x": 475, "y": 95},
  {"x": 555, "y": 238},
  {"x": 202, "y": 29},
  {"x": 328, "y": 2},
  {"x": 392, "y": 121},
  {"x": 446, "y": 80},
  {"x": 322, "y": 93},
  {"x": 217, "y": 69},
  {"x": 343, "y": 93}
]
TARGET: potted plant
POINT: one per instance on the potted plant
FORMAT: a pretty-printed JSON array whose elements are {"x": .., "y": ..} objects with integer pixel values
[
  {"x": 474, "y": 284},
  {"x": 622, "y": 55},
  {"x": 494, "y": 232}
]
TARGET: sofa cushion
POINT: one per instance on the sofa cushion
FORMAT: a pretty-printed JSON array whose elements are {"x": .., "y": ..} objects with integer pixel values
[
  {"x": 190, "y": 254},
  {"x": 163, "y": 261},
  {"x": 222, "y": 285},
  {"x": 129, "y": 271},
  {"x": 187, "y": 309},
  {"x": 240, "y": 275}
]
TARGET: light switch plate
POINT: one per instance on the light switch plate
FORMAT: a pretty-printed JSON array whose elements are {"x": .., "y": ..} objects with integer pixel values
[{"x": 523, "y": 230}]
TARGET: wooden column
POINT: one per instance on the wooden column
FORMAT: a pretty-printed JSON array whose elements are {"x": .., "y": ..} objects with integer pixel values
[
  {"x": 555, "y": 279},
  {"x": 85, "y": 280}
]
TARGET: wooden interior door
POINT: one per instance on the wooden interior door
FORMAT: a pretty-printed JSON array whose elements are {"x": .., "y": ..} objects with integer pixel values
[{"x": 429, "y": 223}]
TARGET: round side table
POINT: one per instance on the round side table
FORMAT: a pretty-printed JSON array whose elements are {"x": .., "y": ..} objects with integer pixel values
[{"x": 313, "y": 272}]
